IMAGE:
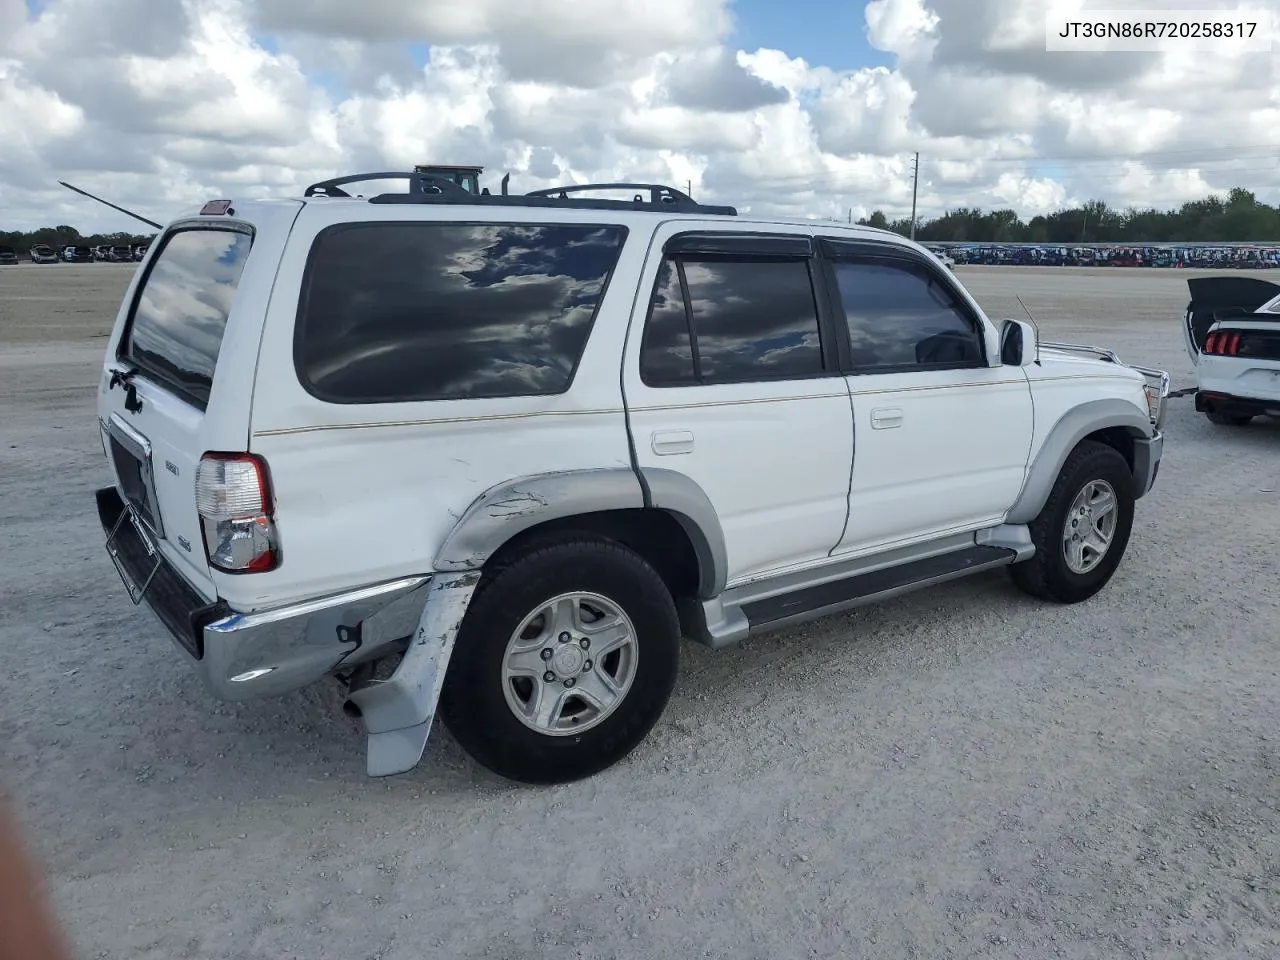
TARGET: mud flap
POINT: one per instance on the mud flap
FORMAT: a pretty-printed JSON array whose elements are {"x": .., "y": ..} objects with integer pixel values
[{"x": 399, "y": 711}]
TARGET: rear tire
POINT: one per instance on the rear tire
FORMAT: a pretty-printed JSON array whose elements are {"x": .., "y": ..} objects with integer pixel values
[
  {"x": 1223, "y": 420},
  {"x": 1079, "y": 544},
  {"x": 537, "y": 708}
]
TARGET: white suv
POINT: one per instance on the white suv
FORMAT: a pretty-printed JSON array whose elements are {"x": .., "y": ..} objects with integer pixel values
[
  {"x": 1232, "y": 331},
  {"x": 536, "y": 440}
]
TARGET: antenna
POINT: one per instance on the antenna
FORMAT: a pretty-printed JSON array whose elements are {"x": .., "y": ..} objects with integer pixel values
[
  {"x": 1035, "y": 326},
  {"x": 150, "y": 223},
  {"x": 915, "y": 182}
]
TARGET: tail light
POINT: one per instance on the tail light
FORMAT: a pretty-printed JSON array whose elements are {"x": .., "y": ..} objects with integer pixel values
[
  {"x": 233, "y": 498},
  {"x": 1223, "y": 343}
]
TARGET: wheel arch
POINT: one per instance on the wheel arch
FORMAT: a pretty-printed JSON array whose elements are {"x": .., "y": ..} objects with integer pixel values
[
  {"x": 667, "y": 519},
  {"x": 1113, "y": 422}
]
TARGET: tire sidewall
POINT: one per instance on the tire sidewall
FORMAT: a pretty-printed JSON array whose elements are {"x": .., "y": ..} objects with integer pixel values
[
  {"x": 473, "y": 702},
  {"x": 1105, "y": 465}
]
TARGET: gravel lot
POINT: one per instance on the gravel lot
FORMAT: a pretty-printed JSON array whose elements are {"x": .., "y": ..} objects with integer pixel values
[{"x": 959, "y": 773}]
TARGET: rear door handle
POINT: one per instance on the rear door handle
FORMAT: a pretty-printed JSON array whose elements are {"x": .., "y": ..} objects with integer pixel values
[
  {"x": 667, "y": 442},
  {"x": 885, "y": 418}
]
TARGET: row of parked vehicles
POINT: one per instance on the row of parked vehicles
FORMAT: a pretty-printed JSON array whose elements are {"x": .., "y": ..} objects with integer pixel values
[
  {"x": 43, "y": 253},
  {"x": 1209, "y": 257}
]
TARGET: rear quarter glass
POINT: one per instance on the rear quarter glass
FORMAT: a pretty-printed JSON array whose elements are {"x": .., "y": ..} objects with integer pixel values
[
  {"x": 421, "y": 311},
  {"x": 178, "y": 317}
]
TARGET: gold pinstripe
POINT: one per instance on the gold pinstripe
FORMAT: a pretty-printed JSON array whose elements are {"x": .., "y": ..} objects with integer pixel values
[{"x": 665, "y": 407}]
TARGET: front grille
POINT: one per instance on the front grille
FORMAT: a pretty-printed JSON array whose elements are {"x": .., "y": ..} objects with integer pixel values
[{"x": 183, "y": 611}]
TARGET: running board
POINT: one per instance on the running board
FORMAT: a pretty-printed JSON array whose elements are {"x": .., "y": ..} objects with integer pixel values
[{"x": 784, "y": 610}]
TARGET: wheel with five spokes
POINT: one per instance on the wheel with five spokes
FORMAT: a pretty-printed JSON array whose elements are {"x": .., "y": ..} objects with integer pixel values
[
  {"x": 1082, "y": 531},
  {"x": 566, "y": 658}
]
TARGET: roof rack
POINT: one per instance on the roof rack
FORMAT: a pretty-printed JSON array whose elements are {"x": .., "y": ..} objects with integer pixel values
[
  {"x": 426, "y": 188},
  {"x": 426, "y": 184}
]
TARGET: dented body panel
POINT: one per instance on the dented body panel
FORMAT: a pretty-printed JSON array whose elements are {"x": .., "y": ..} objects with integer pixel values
[{"x": 399, "y": 711}]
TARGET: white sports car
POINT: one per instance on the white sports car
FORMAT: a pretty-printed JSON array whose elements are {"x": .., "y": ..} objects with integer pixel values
[{"x": 1232, "y": 329}]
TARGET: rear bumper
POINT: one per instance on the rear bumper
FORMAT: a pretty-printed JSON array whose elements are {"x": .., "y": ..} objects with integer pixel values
[
  {"x": 1213, "y": 401},
  {"x": 1146, "y": 463},
  {"x": 242, "y": 656}
]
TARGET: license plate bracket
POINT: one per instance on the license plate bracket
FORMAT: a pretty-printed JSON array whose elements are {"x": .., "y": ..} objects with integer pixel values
[
  {"x": 131, "y": 458},
  {"x": 137, "y": 591}
]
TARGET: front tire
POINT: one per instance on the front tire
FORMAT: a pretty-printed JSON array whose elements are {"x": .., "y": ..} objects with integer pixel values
[
  {"x": 1082, "y": 531},
  {"x": 565, "y": 660}
]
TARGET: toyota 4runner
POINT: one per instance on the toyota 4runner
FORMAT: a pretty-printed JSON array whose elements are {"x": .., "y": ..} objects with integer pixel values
[{"x": 496, "y": 455}]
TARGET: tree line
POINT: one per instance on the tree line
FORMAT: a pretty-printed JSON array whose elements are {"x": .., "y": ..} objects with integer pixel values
[
  {"x": 65, "y": 236},
  {"x": 1237, "y": 217}
]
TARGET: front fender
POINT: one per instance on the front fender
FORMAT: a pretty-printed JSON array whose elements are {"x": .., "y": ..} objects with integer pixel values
[{"x": 1076, "y": 424}]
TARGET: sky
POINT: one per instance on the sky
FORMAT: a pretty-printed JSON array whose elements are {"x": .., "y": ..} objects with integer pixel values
[{"x": 795, "y": 107}]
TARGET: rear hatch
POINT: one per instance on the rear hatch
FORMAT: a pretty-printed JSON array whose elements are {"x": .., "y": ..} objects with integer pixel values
[
  {"x": 1215, "y": 299},
  {"x": 168, "y": 394}
]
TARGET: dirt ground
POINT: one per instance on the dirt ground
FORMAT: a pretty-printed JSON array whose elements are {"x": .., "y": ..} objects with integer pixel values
[{"x": 959, "y": 773}]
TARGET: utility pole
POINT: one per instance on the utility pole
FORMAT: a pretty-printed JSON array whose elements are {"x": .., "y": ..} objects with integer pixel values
[
  {"x": 915, "y": 182},
  {"x": 689, "y": 184}
]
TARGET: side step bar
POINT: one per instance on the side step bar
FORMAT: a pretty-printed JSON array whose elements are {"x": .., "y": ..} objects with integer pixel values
[{"x": 837, "y": 596}]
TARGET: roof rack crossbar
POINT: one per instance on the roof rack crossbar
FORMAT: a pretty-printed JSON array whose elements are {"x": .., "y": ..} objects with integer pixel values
[{"x": 425, "y": 184}]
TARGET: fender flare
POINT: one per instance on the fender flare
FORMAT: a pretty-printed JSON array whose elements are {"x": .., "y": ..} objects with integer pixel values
[
  {"x": 511, "y": 507},
  {"x": 682, "y": 497},
  {"x": 1076, "y": 424}
]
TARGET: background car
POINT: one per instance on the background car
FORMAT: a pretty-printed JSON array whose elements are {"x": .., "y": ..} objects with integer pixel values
[
  {"x": 77, "y": 254},
  {"x": 1232, "y": 333},
  {"x": 43, "y": 253},
  {"x": 8, "y": 256}
]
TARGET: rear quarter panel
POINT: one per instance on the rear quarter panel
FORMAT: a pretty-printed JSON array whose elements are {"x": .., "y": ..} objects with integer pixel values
[{"x": 367, "y": 493}]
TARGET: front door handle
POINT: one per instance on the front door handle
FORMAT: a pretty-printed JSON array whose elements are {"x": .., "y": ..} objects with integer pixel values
[
  {"x": 885, "y": 418},
  {"x": 667, "y": 442}
]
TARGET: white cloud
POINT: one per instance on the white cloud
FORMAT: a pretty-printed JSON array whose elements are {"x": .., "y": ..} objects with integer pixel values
[
  {"x": 160, "y": 105},
  {"x": 904, "y": 27},
  {"x": 577, "y": 43}
]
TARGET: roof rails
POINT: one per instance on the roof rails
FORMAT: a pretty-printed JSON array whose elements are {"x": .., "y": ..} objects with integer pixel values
[
  {"x": 426, "y": 188},
  {"x": 419, "y": 183}
]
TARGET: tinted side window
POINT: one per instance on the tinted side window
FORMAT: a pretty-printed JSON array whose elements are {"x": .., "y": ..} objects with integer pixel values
[
  {"x": 901, "y": 318},
  {"x": 752, "y": 320},
  {"x": 666, "y": 353},
  {"x": 432, "y": 311},
  {"x": 180, "y": 314}
]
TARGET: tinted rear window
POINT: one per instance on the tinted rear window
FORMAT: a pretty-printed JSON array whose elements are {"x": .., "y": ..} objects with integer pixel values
[
  {"x": 181, "y": 311},
  {"x": 435, "y": 311}
]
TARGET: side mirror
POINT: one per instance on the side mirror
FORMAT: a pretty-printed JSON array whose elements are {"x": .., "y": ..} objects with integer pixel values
[{"x": 1017, "y": 343}]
